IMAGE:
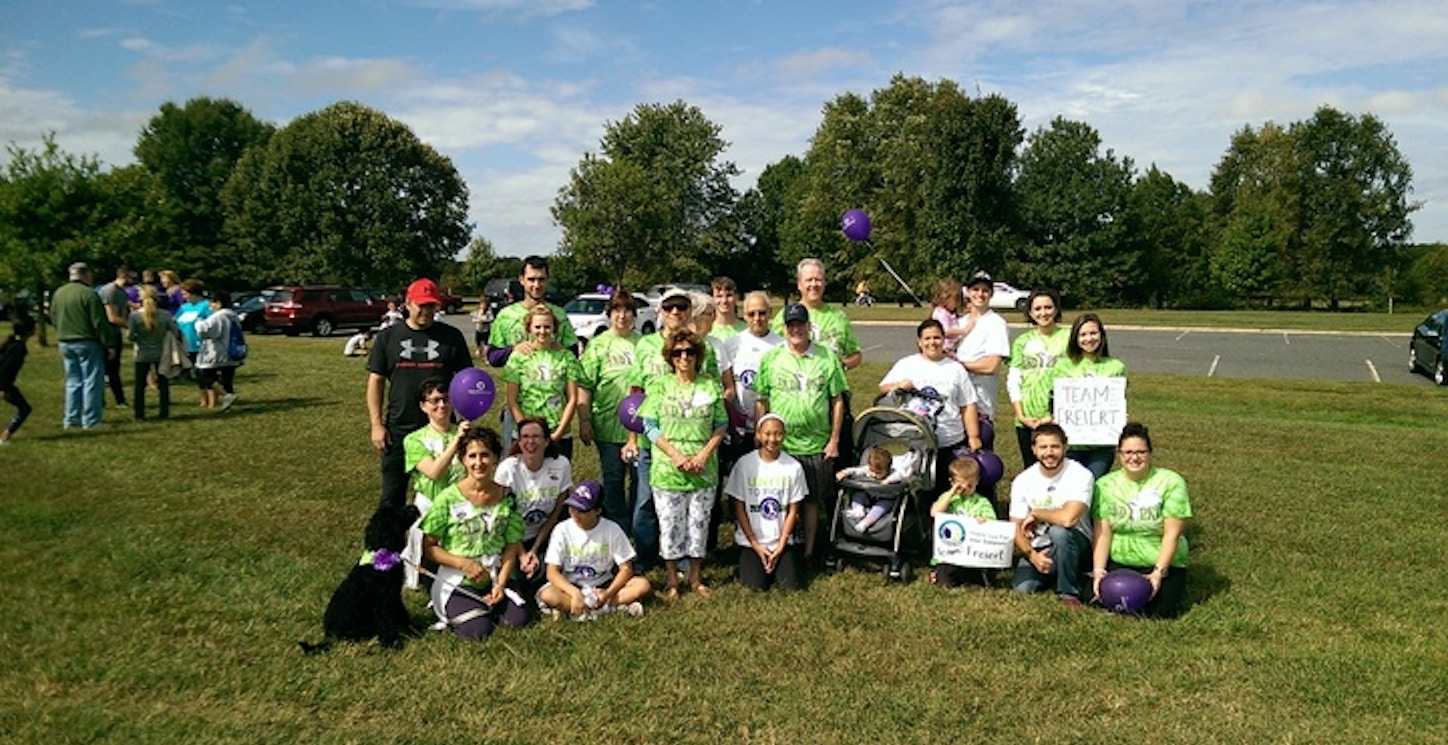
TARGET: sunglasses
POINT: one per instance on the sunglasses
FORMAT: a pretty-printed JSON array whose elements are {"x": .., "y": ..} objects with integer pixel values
[
  {"x": 684, "y": 352},
  {"x": 673, "y": 308}
]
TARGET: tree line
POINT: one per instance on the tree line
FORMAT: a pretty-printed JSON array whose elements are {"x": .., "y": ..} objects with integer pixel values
[{"x": 1313, "y": 212}]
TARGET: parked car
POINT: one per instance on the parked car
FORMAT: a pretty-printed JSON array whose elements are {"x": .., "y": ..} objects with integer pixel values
[
  {"x": 322, "y": 309},
  {"x": 1428, "y": 351},
  {"x": 586, "y": 314},
  {"x": 1006, "y": 297},
  {"x": 450, "y": 303}
]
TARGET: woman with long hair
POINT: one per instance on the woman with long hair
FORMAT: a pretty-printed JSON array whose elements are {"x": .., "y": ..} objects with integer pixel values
[
  {"x": 1089, "y": 356},
  {"x": 544, "y": 382},
  {"x": 1034, "y": 355},
  {"x": 148, "y": 328}
]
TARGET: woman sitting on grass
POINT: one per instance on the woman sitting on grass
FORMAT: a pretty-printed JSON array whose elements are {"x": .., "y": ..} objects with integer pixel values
[
  {"x": 539, "y": 478},
  {"x": 1140, "y": 512},
  {"x": 473, "y": 532},
  {"x": 544, "y": 382}
]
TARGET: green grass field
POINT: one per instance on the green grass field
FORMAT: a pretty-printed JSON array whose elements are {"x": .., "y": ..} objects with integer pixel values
[{"x": 157, "y": 576}]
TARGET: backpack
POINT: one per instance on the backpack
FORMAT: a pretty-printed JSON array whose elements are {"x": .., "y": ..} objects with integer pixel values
[{"x": 236, "y": 345}]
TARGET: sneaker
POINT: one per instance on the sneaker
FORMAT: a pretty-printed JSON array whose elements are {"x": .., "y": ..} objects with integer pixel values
[
  {"x": 438, "y": 626},
  {"x": 855, "y": 512},
  {"x": 862, "y": 526},
  {"x": 227, "y": 400}
]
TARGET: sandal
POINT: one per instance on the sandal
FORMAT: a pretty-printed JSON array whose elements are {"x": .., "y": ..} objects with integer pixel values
[
  {"x": 702, "y": 590},
  {"x": 670, "y": 595}
]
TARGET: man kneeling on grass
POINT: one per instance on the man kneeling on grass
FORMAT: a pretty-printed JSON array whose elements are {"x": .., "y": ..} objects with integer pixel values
[
  {"x": 1051, "y": 507},
  {"x": 590, "y": 563}
]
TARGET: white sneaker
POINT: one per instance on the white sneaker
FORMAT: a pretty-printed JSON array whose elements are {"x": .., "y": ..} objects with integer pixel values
[
  {"x": 227, "y": 400},
  {"x": 632, "y": 610},
  {"x": 855, "y": 512}
]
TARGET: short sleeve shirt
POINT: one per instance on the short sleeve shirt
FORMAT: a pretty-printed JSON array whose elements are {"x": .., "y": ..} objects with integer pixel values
[
  {"x": 535, "y": 492},
  {"x": 766, "y": 490},
  {"x": 407, "y": 357},
  {"x": 115, "y": 297},
  {"x": 1031, "y": 489},
  {"x": 509, "y": 327},
  {"x": 949, "y": 383},
  {"x": 1036, "y": 357},
  {"x": 745, "y": 351},
  {"x": 588, "y": 558},
  {"x": 1137, "y": 512},
  {"x": 974, "y": 506},
  {"x": 543, "y": 379},
  {"x": 604, "y": 370},
  {"x": 688, "y": 414},
  {"x": 465, "y": 529},
  {"x": 429, "y": 443},
  {"x": 800, "y": 388}
]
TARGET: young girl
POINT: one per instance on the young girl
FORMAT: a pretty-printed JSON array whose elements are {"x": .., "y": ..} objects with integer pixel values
[
  {"x": 961, "y": 499},
  {"x": 430, "y": 455},
  {"x": 12, "y": 356},
  {"x": 590, "y": 562},
  {"x": 544, "y": 382},
  {"x": 767, "y": 487},
  {"x": 865, "y": 508}
]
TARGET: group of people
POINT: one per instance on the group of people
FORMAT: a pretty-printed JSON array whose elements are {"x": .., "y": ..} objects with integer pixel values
[
  {"x": 175, "y": 329},
  {"x": 744, "y": 414}
]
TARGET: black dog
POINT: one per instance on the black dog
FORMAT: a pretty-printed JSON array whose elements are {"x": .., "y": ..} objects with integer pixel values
[{"x": 368, "y": 603}]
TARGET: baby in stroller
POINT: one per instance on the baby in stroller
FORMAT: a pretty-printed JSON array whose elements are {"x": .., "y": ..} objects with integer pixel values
[{"x": 868, "y": 505}]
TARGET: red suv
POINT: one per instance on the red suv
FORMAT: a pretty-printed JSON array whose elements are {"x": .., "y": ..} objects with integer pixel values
[{"x": 322, "y": 309}]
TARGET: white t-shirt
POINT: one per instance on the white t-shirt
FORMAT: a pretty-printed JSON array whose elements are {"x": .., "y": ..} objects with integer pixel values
[
  {"x": 767, "y": 490},
  {"x": 949, "y": 380},
  {"x": 354, "y": 344},
  {"x": 988, "y": 338},
  {"x": 535, "y": 491},
  {"x": 745, "y": 350},
  {"x": 1032, "y": 489},
  {"x": 588, "y": 558}
]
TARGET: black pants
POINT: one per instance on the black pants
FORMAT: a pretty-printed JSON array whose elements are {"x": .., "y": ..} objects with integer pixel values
[
  {"x": 394, "y": 469},
  {"x": 138, "y": 389},
  {"x": 22, "y": 408},
  {"x": 113, "y": 374},
  {"x": 785, "y": 575}
]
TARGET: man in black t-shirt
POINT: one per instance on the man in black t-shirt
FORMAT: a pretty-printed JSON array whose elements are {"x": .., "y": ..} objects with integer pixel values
[{"x": 403, "y": 356}]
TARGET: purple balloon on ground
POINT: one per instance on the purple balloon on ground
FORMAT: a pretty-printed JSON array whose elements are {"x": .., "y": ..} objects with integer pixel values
[
  {"x": 628, "y": 412},
  {"x": 991, "y": 467},
  {"x": 856, "y": 225},
  {"x": 472, "y": 392},
  {"x": 1125, "y": 591}
]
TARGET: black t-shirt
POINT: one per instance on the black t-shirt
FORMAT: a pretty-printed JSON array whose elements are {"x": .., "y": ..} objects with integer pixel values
[{"x": 407, "y": 357}]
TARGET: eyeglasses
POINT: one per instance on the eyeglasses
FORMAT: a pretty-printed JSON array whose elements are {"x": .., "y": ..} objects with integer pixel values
[
  {"x": 435, "y": 400},
  {"x": 683, "y": 352},
  {"x": 1134, "y": 453}
]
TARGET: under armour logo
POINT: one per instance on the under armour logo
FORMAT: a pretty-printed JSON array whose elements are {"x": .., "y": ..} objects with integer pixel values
[{"x": 431, "y": 349}]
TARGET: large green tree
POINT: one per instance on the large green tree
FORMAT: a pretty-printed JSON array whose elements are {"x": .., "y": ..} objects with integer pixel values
[
  {"x": 1078, "y": 230},
  {"x": 1172, "y": 222},
  {"x": 764, "y": 214},
  {"x": 931, "y": 166},
  {"x": 188, "y": 153},
  {"x": 655, "y": 204},
  {"x": 345, "y": 194}
]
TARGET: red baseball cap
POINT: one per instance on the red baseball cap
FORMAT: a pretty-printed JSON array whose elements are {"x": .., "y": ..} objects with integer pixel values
[{"x": 423, "y": 292}]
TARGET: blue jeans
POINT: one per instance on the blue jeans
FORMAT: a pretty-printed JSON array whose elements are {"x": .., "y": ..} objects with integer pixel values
[
  {"x": 1069, "y": 547},
  {"x": 1096, "y": 459},
  {"x": 645, "y": 520},
  {"x": 614, "y": 474},
  {"x": 85, "y": 382}
]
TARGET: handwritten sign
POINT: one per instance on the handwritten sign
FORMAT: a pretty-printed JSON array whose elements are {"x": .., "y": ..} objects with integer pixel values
[
  {"x": 1091, "y": 410},
  {"x": 962, "y": 541}
]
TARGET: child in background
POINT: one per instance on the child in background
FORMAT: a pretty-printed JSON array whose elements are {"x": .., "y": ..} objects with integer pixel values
[
  {"x": 357, "y": 343},
  {"x": 865, "y": 509},
  {"x": 12, "y": 357},
  {"x": 961, "y": 499}
]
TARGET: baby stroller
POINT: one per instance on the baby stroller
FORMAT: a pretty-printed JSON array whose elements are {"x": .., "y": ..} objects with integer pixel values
[{"x": 910, "y": 440}]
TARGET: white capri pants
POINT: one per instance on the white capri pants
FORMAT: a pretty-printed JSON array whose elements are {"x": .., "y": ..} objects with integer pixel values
[{"x": 683, "y": 522}]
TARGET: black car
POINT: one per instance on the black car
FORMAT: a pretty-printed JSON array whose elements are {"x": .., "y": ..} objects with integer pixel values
[{"x": 1429, "y": 347}]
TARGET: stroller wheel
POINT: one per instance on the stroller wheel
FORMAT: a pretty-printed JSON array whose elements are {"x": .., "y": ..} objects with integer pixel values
[{"x": 898, "y": 571}]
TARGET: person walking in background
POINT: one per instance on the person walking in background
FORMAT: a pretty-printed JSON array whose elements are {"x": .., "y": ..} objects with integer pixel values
[
  {"x": 85, "y": 335},
  {"x": 214, "y": 363},
  {"x": 148, "y": 327},
  {"x": 12, "y": 358},
  {"x": 117, "y": 300}
]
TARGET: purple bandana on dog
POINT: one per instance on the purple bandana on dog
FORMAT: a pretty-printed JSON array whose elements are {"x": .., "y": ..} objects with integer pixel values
[{"x": 383, "y": 560}]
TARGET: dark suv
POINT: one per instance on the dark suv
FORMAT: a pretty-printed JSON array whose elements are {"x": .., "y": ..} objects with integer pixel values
[{"x": 322, "y": 309}]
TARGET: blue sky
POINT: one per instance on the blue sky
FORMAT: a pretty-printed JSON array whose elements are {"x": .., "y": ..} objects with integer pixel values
[{"x": 516, "y": 91}]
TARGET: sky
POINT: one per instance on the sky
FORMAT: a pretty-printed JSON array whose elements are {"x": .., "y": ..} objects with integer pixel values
[{"x": 515, "y": 92}]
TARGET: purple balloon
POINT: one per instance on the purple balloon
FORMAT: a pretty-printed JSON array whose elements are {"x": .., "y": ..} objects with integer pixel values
[
  {"x": 1125, "y": 591},
  {"x": 856, "y": 225},
  {"x": 628, "y": 412},
  {"x": 601, "y": 288},
  {"x": 991, "y": 467},
  {"x": 472, "y": 392}
]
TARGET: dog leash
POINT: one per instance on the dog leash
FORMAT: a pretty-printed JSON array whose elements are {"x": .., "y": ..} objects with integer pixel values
[{"x": 475, "y": 613}]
